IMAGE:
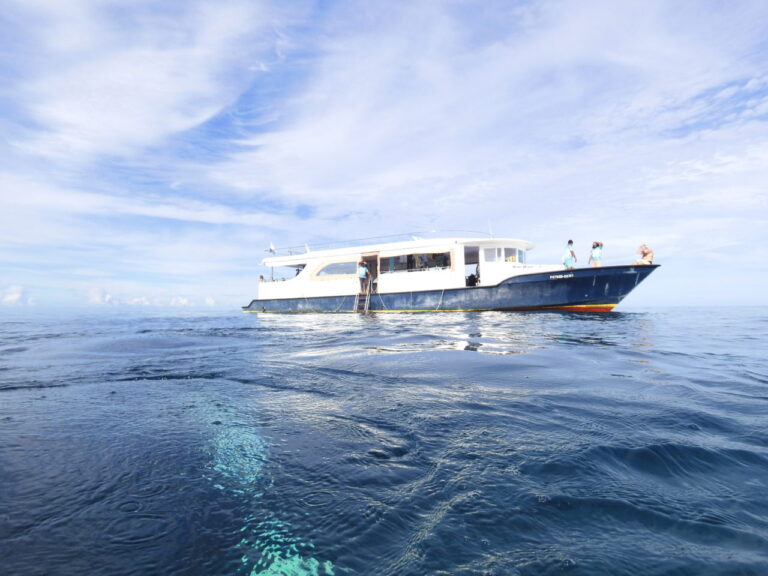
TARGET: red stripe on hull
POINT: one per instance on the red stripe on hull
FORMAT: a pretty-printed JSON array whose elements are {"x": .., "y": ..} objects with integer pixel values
[{"x": 583, "y": 308}]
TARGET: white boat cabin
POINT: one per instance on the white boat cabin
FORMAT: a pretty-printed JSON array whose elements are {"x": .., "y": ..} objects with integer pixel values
[{"x": 414, "y": 265}]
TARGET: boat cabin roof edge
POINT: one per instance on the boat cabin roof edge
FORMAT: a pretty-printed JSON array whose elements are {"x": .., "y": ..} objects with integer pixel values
[{"x": 428, "y": 244}]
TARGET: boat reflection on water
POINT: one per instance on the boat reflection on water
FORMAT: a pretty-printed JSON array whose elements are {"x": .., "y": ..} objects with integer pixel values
[{"x": 501, "y": 333}]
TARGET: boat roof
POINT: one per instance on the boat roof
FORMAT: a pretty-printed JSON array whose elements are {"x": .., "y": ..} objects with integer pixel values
[{"x": 393, "y": 249}]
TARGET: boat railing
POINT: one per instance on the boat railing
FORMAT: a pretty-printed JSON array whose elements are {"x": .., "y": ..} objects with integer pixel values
[{"x": 424, "y": 234}]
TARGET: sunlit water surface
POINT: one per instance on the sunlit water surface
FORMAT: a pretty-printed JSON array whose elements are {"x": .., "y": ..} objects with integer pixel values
[{"x": 413, "y": 444}]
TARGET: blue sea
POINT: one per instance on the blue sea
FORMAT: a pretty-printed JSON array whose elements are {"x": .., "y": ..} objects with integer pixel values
[{"x": 415, "y": 444}]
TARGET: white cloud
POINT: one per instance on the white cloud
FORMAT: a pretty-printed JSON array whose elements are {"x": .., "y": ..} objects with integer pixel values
[
  {"x": 99, "y": 296},
  {"x": 138, "y": 301},
  {"x": 45, "y": 197},
  {"x": 408, "y": 110},
  {"x": 108, "y": 79},
  {"x": 14, "y": 295}
]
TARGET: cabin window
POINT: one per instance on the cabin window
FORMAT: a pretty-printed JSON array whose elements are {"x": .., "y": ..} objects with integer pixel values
[
  {"x": 338, "y": 269},
  {"x": 504, "y": 255},
  {"x": 416, "y": 262}
]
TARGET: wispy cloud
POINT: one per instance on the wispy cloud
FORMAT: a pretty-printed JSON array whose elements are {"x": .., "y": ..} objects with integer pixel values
[
  {"x": 108, "y": 78},
  {"x": 419, "y": 108}
]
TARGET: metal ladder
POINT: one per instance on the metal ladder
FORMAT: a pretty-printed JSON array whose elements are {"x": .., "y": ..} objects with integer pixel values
[{"x": 363, "y": 300}]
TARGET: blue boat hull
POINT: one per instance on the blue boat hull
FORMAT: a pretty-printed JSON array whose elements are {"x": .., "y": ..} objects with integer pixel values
[{"x": 583, "y": 289}]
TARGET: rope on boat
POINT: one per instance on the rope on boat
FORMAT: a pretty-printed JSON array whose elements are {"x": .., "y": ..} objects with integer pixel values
[
  {"x": 442, "y": 293},
  {"x": 381, "y": 301}
]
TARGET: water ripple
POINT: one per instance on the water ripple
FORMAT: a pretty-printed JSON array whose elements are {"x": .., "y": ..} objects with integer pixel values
[{"x": 509, "y": 444}]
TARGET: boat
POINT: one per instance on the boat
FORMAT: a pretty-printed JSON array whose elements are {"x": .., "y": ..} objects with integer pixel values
[{"x": 447, "y": 274}]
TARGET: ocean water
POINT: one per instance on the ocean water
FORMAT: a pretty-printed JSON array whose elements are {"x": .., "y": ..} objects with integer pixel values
[{"x": 414, "y": 444}]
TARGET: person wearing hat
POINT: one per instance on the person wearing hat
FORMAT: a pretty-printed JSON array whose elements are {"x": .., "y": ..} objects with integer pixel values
[{"x": 362, "y": 274}]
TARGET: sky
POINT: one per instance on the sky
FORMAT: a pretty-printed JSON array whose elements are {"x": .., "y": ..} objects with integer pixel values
[{"x": 151, "y": 151}]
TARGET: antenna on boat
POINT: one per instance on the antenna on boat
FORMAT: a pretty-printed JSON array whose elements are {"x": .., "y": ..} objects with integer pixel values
[{"x": 271, "y": 250}]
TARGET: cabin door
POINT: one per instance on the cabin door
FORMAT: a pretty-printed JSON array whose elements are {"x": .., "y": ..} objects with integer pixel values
[{"x": 371, "y": 260}]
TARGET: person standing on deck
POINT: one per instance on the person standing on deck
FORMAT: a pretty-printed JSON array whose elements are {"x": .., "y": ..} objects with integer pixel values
[
  {"x": 596, "y": 255},
  {"x": 362, "y": 274},
  {"x": 646, "y": 255},
  {"x": 569, "y": 256}
]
